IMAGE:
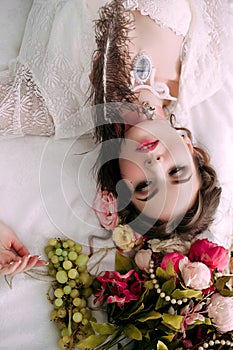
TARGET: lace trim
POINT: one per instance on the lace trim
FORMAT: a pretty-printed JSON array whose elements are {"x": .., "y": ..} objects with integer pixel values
[
  {"x": 177, "y": 18},
  {"x": 22, "y": 107}
]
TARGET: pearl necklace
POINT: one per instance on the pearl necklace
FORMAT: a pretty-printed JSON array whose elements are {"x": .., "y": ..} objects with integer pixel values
[{"x": 206, "y": 345}]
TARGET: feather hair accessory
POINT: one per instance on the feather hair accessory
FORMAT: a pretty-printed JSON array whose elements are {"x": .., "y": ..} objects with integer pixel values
[{"x": 111, "y": 68}]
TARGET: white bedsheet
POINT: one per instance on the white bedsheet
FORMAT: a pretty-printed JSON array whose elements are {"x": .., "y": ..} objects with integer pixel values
[{"x": 46, "y": 190}]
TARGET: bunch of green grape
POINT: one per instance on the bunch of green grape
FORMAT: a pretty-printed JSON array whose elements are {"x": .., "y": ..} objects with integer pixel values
[{"x": 71, "y": 290}]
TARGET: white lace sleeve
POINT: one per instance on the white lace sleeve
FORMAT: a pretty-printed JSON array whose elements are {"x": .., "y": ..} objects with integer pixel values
[
  {"x": 171, "y": 14},
  {"x": 47, "y": 90},
  {"x": 203, "y": 56}
]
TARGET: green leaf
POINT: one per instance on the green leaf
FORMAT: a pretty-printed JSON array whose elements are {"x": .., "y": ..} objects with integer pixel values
[
  {"x": 167, "y": 288},
  {"x": 170, "y": 269},
  {"x": 161, "y": 346},
  {"x": 221, "y": 285},
  {"x": 132, "y": 332},
  {"x": 132, "y": 313},
  {"x": 92, "y": 341},
  {"x": 172, "y": 321},
  {"x": 152, "y": 315},
  {"x": 161, "y": 273},
  {"x": 103, "y": 328},
  {"x": 187, "y": 293},
  {"x": 122, "y": 263}
]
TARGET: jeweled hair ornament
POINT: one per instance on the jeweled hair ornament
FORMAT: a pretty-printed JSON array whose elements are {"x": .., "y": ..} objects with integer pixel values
[{"x": 142, "y": 72}]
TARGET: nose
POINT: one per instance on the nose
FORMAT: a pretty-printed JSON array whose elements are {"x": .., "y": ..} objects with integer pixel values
[{"x": 160, "y": 157}]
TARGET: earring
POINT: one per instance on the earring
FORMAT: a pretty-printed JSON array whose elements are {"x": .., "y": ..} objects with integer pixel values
[
  {"x": 182, "y": 132},
  {"x": 148, "y": 110}
]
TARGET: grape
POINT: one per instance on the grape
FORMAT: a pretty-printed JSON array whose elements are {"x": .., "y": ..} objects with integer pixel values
[
  {"x": 67, "y": 289},
  {"x": 53, "y": 242},
  {"x": 74, "y": 293},
  {"x": 66, "y": 339},
  {"x": 72, "y": 283},
  {"x": 70, "y": 242},
  {"x": 87, "y": 292},
  {"x": 65, "y": 245},
  {"x": 61, "y": 312},
  {"x": 58, "y": 302},
  {"x": 58, "y": 293},
  {"x": 72, "y": 256},
  {"x": 61, "y": 344},
  {"x": 61, "y": 276},
  {"x": 82, "y": 260},
  {"x": 67, "y": 265},
  {"x": 77, "y": 301},
  {"x": 58, "y": 251},
  {"x": 71, "y": 291},
  {"x": 77, "y": 317},
  {"x": 85, "y": 279},
  {"x": 78, "y": 248},
  {"x": 72, "y": 273}
]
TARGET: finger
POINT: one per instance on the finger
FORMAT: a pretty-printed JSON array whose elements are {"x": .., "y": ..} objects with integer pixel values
[
  {"x": 22, "y": 265},
  {"x": 41, "y": 262},
  {"x": 32, "y": 262},
  {"x": 18, "y": 246},
  {"x": 10, "y": 268},
  {"x": 7, "y": 256}
]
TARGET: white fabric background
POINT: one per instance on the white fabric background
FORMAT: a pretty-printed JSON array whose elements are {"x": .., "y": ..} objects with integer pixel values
[{"x": 42, "y": 194}]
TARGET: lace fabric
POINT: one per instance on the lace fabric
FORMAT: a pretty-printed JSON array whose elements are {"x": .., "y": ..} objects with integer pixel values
[
  {"x": 46, "y": 90},
  {"x": 22, "y": 107},
  {"x": 177, "y": 18}
]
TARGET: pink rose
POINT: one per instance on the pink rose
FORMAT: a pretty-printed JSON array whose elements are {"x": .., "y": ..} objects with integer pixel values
[
  {"x": 211, "y": 254},
  {"x": 221, "y": 310},
  {"x": 174, "y": 258},
  {"x": 196, "y": 275},
  {"x": 105, "y": 207},
  {"x": 142, "y": 259}
]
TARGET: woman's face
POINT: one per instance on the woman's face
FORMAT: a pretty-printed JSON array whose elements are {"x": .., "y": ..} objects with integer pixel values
[{"x": 157, "y": 164}]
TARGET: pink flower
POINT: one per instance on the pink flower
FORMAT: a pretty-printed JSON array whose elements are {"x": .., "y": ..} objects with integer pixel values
[
  {"x": 105, "y": 207},
  {"x": 174, "y": 258},
  {"x": 196, "y": 275},
  {"x": 211, "y": 254},
  {"x": 221, "y": 310},
  {"x": 142, "y": 259},
  {"x": 119, "y": 288}
]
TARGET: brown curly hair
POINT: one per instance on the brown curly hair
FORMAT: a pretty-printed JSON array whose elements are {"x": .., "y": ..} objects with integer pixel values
[
  {"x": 195, "y": 221},
  {"x": 110, "y": 79}
]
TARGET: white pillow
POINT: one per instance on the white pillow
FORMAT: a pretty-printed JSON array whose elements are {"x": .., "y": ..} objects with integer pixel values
[{"x": 13, "y": 17}]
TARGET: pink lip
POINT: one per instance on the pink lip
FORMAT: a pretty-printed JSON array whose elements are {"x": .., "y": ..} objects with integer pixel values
[{"x": 147, "y": 146}]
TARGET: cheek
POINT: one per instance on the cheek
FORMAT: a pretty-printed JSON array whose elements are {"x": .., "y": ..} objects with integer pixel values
[{"x": 131, "y": 171}]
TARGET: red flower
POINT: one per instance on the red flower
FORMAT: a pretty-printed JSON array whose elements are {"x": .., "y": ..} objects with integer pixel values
[
  {"x": 211, "y": 254},
  {"x": 119, "y": 288},
  {"x": 174, "y": 258}
]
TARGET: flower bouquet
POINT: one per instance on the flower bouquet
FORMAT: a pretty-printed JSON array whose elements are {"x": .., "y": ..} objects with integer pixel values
[{"x": 165, "y": 301}]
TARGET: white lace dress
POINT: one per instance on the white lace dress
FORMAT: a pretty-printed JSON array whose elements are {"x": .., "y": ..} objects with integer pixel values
[{"x": 46, "y": 187}]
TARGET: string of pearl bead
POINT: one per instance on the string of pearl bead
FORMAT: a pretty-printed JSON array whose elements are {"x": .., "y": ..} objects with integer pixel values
[
  {"x": 159, "y": 291},
  {"x": 206, "y": 345}
]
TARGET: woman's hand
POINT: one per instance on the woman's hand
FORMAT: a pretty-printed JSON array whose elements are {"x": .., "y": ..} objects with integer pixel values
[{"x": 14, "y": 256}]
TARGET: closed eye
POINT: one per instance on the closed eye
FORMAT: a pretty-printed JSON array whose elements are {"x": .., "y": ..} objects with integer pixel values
[
  {"x": 177, "y": 170},
  {"x": 143, "y": 186}
]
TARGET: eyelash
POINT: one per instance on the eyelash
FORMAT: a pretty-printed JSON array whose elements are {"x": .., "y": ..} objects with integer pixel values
[
  {"x": 142, "y": 187},
  {"x": 176, "y": 170}
]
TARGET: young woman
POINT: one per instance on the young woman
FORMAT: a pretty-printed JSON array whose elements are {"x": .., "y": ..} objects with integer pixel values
[{"x": 154, "y": 61}]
